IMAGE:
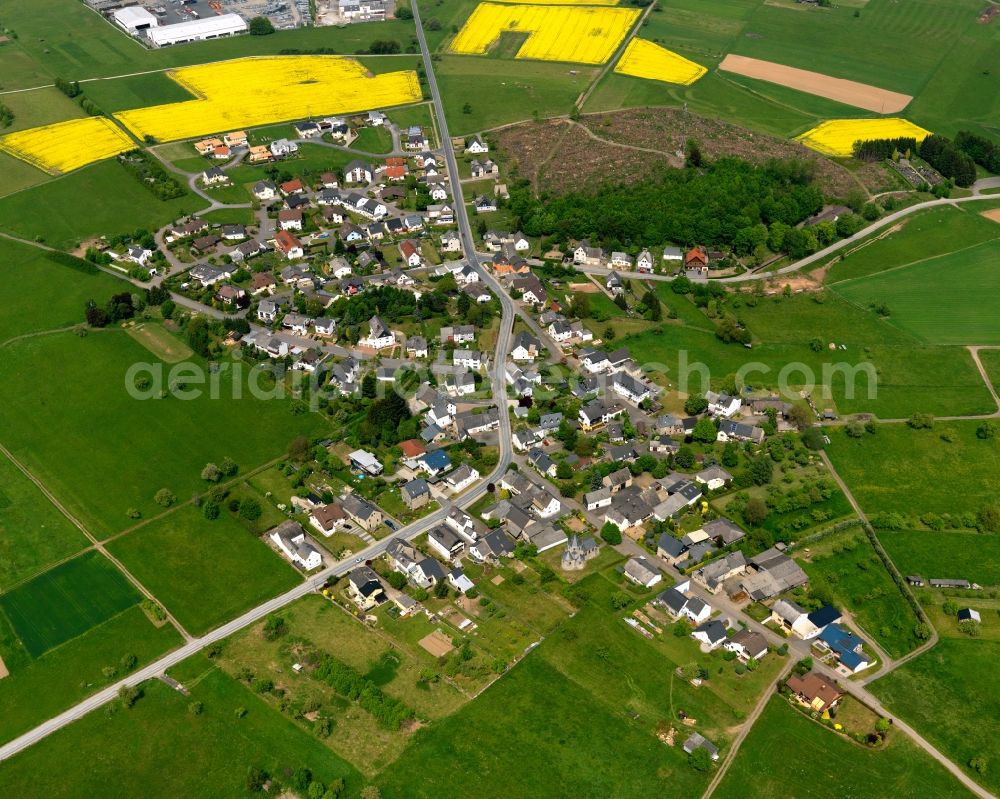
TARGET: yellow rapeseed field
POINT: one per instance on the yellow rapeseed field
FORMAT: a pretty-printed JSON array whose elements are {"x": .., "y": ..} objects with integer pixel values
[
  {"x": 246, "y": 92},
  {"x": 644, "y": 59},
  {"x": 566, "y": 2},
  {"x": 65, "y": 146},
  {"x": 837, "y": 136},
  {"x": 581, "y": 34}
]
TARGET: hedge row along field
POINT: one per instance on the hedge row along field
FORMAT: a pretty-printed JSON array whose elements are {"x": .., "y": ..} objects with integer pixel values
[
  {"x": 248, "y": 92},
  {"x": 578, "y": 34},
  {"x": 65, "y": 146}
]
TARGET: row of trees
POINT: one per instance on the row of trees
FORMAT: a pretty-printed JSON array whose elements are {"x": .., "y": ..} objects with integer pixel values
[
  {"x": 151, "y": 174},
  {"x": 728, "y": 202},
  {"x": 983, "y": 151},
  {"x": 942, "y": 154},
  {"x": 351, "y": 684},
  {"x": 881, "y": 149}
]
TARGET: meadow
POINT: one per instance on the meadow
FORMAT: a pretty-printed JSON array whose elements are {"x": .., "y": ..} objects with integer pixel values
[
  {"x": 31, "y": 273},
  {"x": 102, "y": 453},
  {"x": 209, "y": 754},
  {"x": 787, "y": 754},
  {"x": 913, "y": 472},
  {"x": 957, "y": 309},
  {"x": 66, "y": 601},
  {"x": 69, "y": 40},
  {"x": 844, "y": 567},
  {"x": 38, "y": 689},
  {"x": 52, "y": 212},
  {"x": 33, "y": 534},
  {"x": 972, "y": 556},
  {"x": 991, "y": 363},
  {"x": 949, "y": 695},
  {"x": 922, "y": 236},
  {"x": 204, "y": 572}
]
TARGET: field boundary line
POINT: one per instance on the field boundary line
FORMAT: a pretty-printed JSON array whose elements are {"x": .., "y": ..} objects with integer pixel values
[
  {"x": 97, "y": 544},
  {"x": 615, "y": 58},
  {"x": 911, "y": 263}
]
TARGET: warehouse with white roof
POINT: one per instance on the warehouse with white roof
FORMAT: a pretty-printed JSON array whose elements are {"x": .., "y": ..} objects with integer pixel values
[
  {"x": 197, "y": 30},
  {"x": 134, "y": 19}
]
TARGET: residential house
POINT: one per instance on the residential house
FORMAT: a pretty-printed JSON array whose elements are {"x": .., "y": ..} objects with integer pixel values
[
  {"x": 713, "y": 574},
  {"x": 723, "y": 531},
  {"x": 476, "y": 146},
  {"x": 484, "y": 204},
  {"x": 747, "y": 645},
  {"x": 365, "y": 588},
  {"x": 364, "y": 514},
  {"x": 463, "y": 524},
  {"x": 618, "y": 480},
  {"x": 460, "y": 479},
  {"x": 328, "y": 518},
  {"x": 722, "y": 404},
  {"x": 525, "y": 347},
  {"x": 435, "y": 462},
  {"x": 290, "y": 219},
  {"x": 737, "y": 431},
  {"x": 642, "y": 571},
  {"x": 214, "y": 176},
  {"x": 288, "y": 245},
  {"x": 290, "y": 538},
  {"x": 450, "y": 242},
  {"x": 670, "y": 548},
  {"x": 711, "y": 634},
  {"x": 598, "y": 413},
  {"x": 585, "y": 255},
  {"x": 267, "y": 311},
  {"x": 847, "y": 646},
  {"x": 445, "y": 542},
  {"x": 492, "y": 547},
  {"x": 416, "y": 493},
  {"x": 713, "y": 477},
  {"x": 621, "y": 260},
  {"x": 416, "y": 347},
  {"x": 459, "y": 334},
  {"x": 281, "y": 148},
  {"x": 644, "y": 262},
  {"x": 379, "y": 334},
  {"x": 698, "y": 741},
  {"x": 814, "y": 691},
  {"x": 358, "y": 171}
]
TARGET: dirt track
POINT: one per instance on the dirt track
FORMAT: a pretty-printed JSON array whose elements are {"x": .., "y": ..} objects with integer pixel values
[{"x": 849, "y": 92}]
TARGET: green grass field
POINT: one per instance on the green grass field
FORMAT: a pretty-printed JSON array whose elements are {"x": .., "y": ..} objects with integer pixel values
[
  {"x": 30, "y": 274},
  {"x": 949, "y": 695},
  {"x": 37, "y": 690},
  {"x": 945, "y": 300},
  {"x": 208, "y": 755},
  {"x": 373, "y": 140},
  {"x": 909, "y": 377},
  {"x": 204, "y": 572},
  {"x": 787, "y": 754},
  {"x": 924, "y": 235},
  {"x": 66, "y": 601},
  {"x": 33, "y": 534},
  {"x": 52, "y": 212},
  {"x": 972, "y": 556},
  {"x": 915, "y": 471},
  {"x": 845, "y": 566},
  {"x": 991, "y": 363},
  {"x": 101, "y": 452},
  {"x": 73, "y": 42},
  {"x": 40, "y": 107}
]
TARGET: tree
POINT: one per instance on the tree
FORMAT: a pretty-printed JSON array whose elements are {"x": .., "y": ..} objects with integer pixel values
[
  {"x": 467, "y": 108},
  {"x": 882, "y": 726},
  {"x": 761, "y": 470},
  {"x": 260, "y": 26},
  {"x": 988, "y": 519},
  {"x": 970, "y": 628},
  {"x": 564, "y": 471},
  {"x": 256, "y": 779},
  {"x": 250, "y": 509},
  {"x": 979, "y": 764},
  {"x": 396, "y": 580},
  {"x": 579, "y": 307},
  {"x": 298, "y": 450},
  {"x": 165, "y": 497},
  {"x": 695, "y": 405},
  {"x": 730, "y": 454},
  {"x": 986, "y": 431},
  {"x": 210, "y": 510},
  {"x": 211, "y": 473},
  {"x": 611, "y": 534},
  {"x": 704, "y": 431},
  {"x": 167, "y": 308},
  {"x": 684, "y": 457},
  {"x": 755, "y": 512},
  {"x": 619, "y": 600},
  {"x": 700, "y": 759},
  {"x": 195, "y": 708}
]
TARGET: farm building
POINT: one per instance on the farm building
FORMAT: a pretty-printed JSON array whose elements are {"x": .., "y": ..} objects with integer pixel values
[
  {"x": 133, "y": 19},
  {"x": 197, "y": 30}
]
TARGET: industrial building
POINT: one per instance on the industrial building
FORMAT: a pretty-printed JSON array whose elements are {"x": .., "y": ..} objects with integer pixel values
[
  {"x": 197, "y": 30},
  {"x": 135, "y": 19}
]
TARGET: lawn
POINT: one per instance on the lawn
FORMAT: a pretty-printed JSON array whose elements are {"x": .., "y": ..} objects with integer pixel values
[
  {"x": 787, "y": 754},
  {"x": 30, "y": 274},
  {"x": 102, "y": 452},
  {"x": 958, "y": 310},
  {"x": 949, "y": 695},
  {"x": 53, "y": 213},
  {"x": 204, "y": 572},
  {"x": 311, "y": 160},
  {"x": 33, "y": 534},
  {"x": 373, "y": 140},
  {"x": 913, "y": 472},
  {"x": 66, "y": 601},
  {"x": 971, "y": 556},
  {"x": 37, "y": 690},
  {"x": 844, "y": 568},
  {"x": 918, "y": 238},
  {"x": 209, "y": 754}
]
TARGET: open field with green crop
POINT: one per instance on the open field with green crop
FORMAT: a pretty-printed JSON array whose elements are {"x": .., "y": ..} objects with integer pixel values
[
  {"x": 798, "y": 330},
  {"x": 209, "y": 753},
  {"x": 53, "y": 213},
  {"x": 204, "y": 572},
  {"x": 958, "y": 309},
  {"x": 38, "y": 689},
  {"x": 32, "y": 275},
  {"x": 33, "y": 534},
  {"x": 69, "y": 40},
  {"x": 787, "y": 754},
  {"x": 844, "y": 570},
  {"x": 925, "y": 235},
  {"x": 913, "y": 472},
  {"x": 970, "y": 555},
  {"x": 101, "y": 452},
  {"x": 991, "y": 363},
  {"x": 948, "y": 694},
  {"x": 66, "y": 601},
  {"x": 40, "y": 107}
]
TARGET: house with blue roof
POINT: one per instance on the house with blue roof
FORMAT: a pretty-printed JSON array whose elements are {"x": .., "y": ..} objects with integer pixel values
[
  {"x": 435, "y": 462},
  {"x": 846, "y": 646}
]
